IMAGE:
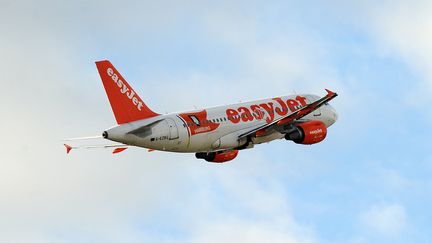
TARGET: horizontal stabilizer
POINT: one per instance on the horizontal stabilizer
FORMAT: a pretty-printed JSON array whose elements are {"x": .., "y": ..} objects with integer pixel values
[
  {"x": 118, "y": 150},
  {"x": 117, "y": 147},
  {"x": 82, "y": 138},
  {"x": 68, "y": 148}
]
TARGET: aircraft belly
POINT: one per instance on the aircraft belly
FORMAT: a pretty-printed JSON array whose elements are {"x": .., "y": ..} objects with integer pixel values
[
  {"x": 267, "y": 138},
  {"x": 201, "y": 142}
]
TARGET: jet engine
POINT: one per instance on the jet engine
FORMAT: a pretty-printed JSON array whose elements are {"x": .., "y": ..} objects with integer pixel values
[
  {"x": 218, "y": 157},
  {"x": 307, "y": 132}
]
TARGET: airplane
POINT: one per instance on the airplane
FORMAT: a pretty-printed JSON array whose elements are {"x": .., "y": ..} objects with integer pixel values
[{"x": 214, "y": 134}]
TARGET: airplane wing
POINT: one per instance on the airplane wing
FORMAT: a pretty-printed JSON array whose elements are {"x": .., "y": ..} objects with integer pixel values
[{"x": 300, "y": 113}]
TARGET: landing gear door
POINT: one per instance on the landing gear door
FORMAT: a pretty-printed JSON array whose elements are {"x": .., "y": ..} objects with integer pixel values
[
  {"x": 173, "y": 130},
  {"x": 316, "y": 112}
]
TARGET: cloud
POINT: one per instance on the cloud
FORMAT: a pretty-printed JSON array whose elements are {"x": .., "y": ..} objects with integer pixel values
[
  {"x": 282, "y": 55},
  {"x": 216, "y": 54},
  {"x": 399, "y": 32},
  {"x": 387, "y": 219},
  {"x": 54, "y": 92},
  {"x": 234, "y": 230},
  {"x": 402, "y": 29},
  {"x": 246, "y": 205}
]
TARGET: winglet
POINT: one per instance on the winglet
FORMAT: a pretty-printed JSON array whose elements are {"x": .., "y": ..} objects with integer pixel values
[
  {"x": 68, "y": 148},
  {"x": 330, "y": 93},
  {"x": 118, "y": 150}
]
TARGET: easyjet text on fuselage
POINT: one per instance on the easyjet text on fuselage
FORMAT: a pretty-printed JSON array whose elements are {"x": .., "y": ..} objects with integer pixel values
[{"x": 258, "y": 111}]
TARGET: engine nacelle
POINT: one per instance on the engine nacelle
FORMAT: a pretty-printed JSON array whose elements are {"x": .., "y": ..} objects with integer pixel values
[
  {"x": 218, "y": 157},
  {"x": 308, "y": 132}
]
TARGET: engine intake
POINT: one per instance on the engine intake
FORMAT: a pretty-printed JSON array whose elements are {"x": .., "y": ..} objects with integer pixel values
[
  {"x": 307, "y": 133},
  {"x": 218, "y": 157}
]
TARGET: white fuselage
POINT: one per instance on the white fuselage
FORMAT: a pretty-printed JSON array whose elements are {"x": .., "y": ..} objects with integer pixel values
[{"x": 216, "y": 128}]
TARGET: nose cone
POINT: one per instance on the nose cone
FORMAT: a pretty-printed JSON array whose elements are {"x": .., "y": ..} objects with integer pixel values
[
  {"x": 332, "y": 118},
  {"x": 330, "y": 115},
  {"x": 335, "y": 116}
]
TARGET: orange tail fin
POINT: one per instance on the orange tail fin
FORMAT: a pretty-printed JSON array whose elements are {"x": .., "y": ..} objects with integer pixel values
[{"x": 125, "y": 102}]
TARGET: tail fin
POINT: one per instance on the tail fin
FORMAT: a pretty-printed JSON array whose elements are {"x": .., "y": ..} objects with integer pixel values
[{"x": 125, "y": 102}]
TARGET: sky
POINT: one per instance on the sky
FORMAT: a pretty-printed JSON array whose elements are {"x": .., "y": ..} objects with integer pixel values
[{"x": 369, "y": 181}]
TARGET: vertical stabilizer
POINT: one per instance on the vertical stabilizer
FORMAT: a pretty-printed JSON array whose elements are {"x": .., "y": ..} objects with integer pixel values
[{"x": 125, "y": 102}]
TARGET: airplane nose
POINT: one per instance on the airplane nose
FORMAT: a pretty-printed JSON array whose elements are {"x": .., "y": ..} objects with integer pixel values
[
  {"x": 335, "y": 116},
  {"x": 332, "y": 117}
]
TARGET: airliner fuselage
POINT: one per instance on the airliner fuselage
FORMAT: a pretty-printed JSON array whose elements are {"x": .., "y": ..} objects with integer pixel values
[
  {"x": 215, "y": 134},
  {"x": 217, "y": 128}
]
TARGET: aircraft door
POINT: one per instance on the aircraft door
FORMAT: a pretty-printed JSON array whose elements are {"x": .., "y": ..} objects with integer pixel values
[{"x": 173, "y": 130}]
